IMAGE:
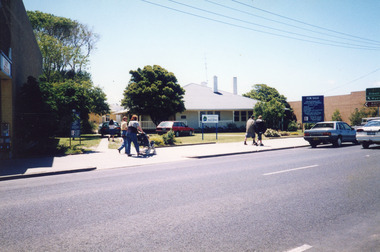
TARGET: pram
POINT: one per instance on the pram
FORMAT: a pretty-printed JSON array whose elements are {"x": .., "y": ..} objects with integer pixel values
[{"x": 146, "y": 146}]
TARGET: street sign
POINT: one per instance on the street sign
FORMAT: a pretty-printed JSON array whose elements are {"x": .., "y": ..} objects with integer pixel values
[
  {"x": 372, "y": 104},
  {"x": 210, "y": 119},
  {"x": 372, "y": 94},
  {"x": 75, "y": 125},
  {"x": 313, "y": 109}
]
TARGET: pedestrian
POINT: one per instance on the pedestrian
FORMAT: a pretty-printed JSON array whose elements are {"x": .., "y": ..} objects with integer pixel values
[
  {"x": 111, "y": 127},
  {"x": 124, "y": 128},
  {"x": 260, "y": 129},
  {"x": 133, "y": 129},
  {"x": 250, "y": 130}
]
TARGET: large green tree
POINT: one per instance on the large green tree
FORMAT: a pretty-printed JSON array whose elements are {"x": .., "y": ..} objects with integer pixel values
[
  {"x": 272, "y": 106},
  {"x": 65, "y": 44},
  {"x": 264, "y": 93},
  {"x": 155, "y": 92}
]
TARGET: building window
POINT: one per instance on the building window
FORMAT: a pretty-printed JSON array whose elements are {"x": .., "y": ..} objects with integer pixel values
[
  {"x": 244, "y": 116},
  {"x": 218, "y": 113},
  {"x": 236, "y": 116},
  {"x": 201, "y": 114},
  {"x": 183, "y": 117}
]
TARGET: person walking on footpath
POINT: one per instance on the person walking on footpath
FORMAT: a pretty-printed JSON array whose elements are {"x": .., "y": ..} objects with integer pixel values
[
  {"x": 133, "y": 129},
  {"x": 111, "y": 127},
  {"x": 250, "y": 130},
  {"x": 124, "y": 128},
  {"x": 260, "y": 128}
]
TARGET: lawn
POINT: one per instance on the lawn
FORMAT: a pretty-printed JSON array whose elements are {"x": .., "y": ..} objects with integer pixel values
[
  {"x": 211, "y": 137},
  {"x": 225, "y": 137},
  {"x": 90, "y": 142},
  {"x": 85, "y": 143}
]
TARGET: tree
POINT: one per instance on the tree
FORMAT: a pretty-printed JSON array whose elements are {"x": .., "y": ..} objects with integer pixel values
[
  {"x": 155, "y": 92},
  {"x": 272, "y": 106},
  {"x": 272, "y": 111},
  {"x": 79, "y": 95},
  {"x": 336, "y": 116},
  {"x": 264, "y": 93},
  {"x": 357, "y": 115},
  {"x": 65, "y": 44}
]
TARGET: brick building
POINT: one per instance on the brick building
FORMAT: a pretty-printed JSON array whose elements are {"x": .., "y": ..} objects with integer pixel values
[
  {"x": 20, "y": 57},
  {"x": 346, "y": 104}
]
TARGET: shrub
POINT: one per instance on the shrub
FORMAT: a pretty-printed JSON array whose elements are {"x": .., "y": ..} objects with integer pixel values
[
  {"x": 284, "y": 133},
  {"x": 158, "y": 140},
  {"x": 309, "y": 125},
  {"x": 292, "y": 126},
  {"x": 271, "y": 133},
  {"x": 231, "y": 127},
  {"x": 169, "y": 138}
]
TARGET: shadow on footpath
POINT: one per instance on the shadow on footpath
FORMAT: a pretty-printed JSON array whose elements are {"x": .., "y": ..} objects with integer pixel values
[{"x": 21, "y": 165}]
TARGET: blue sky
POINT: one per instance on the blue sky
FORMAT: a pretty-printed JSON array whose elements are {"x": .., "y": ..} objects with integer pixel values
[{"x": 280, "y": 43}]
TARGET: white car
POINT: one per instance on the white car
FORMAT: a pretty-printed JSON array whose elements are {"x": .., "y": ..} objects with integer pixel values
[{"x": 369, "y": 134}]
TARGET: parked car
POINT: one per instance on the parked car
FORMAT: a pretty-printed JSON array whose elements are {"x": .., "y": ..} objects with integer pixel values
[
  {"x": 334, "y": 132},
  {"x": 179, "y": 128},
  {"x": 369, "y": 133},
  {"x": 105, "y": 130}
]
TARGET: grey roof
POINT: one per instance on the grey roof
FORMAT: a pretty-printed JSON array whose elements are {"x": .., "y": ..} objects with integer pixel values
[{"x": 200, "y": 97}]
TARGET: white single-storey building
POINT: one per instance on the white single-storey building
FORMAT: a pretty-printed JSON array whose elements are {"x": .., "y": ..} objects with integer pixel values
[{"x": 200, "y": 99}]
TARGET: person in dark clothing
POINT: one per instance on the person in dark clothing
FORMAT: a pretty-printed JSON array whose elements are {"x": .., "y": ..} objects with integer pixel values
[
  {"x": 260, "y": 129},
  {"x": 133, "y": 129}
]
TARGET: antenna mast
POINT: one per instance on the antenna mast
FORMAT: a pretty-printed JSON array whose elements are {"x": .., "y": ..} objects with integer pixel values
[{"x": 206, "y": 69}]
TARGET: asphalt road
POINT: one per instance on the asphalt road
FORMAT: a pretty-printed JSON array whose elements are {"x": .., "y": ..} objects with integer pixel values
[{"x": 323, "y": 199}]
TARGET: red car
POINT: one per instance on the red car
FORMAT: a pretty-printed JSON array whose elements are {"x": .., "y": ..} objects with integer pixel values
[{"x": 179, "y": 128}]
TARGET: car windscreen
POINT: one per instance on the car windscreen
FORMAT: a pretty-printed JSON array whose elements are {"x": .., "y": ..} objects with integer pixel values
[
  {"x": 323, "y": 125},
  {"x": 372, "y": 123},
  {"x": 165, "y": 124}
]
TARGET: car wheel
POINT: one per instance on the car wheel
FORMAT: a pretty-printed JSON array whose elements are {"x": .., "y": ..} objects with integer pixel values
[
  {"x": 338, "y": 142},
  {"x": 365, "y": 145},
  {"x": 177, "y": 133}
]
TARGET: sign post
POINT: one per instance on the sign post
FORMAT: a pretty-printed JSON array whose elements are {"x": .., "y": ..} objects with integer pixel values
[
  {"x": 75, "y": 127},
  {"x": 210, "y": 119}
]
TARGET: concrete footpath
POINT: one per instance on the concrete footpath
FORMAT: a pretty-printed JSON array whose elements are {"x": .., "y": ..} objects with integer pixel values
[{"x": 105, "y": 158}]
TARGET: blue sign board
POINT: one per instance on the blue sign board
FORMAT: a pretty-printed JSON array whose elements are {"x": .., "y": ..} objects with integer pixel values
[{"x": 313, "y": 109}]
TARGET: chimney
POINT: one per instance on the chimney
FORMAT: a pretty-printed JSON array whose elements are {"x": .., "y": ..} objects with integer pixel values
[
  {"x": 215, "y": 84},
  {"x": 235, "y": 85}
]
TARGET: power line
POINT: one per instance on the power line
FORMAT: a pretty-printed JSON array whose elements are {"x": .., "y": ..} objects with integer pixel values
[
  {"x": 302, "y": 22},
  {"x": 355, "y": 80},
  {"x": 334, "y": 43},
  {"x": 283, "y": 23},
  {"x": 271, "y": 28}
]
